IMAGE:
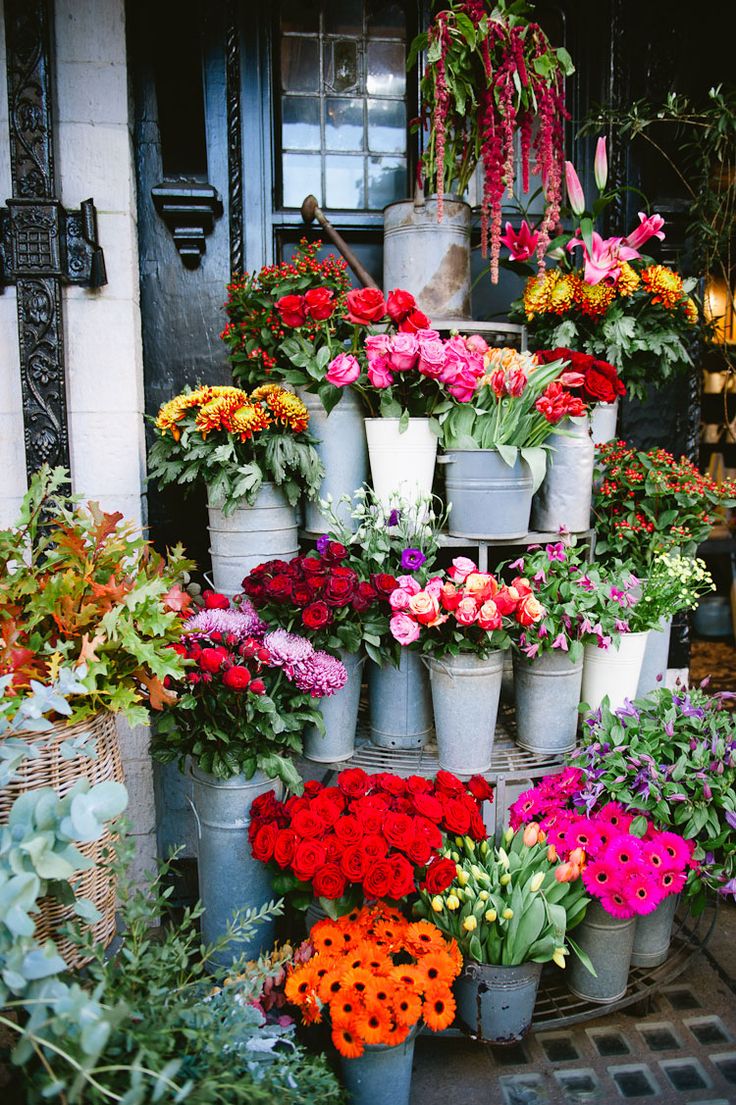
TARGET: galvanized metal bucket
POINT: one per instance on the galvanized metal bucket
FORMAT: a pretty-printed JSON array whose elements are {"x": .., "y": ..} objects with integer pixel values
[
  {"x": 175, "y": 825},
  {"x": 229, "y": 877},
  {"x": 340, "y": 713},
  {"x": 656, "y": 655},
  {"x": 608, "y": 942},
  {"x": 653, "y": 934},
  {"x": 496, "y": 1004},
  {"x": 268, "y": 530},
  {"x": 465, "y": 694},
  {"x": 402, "y": 464},
  {"x": 566, "y": 493},
  {"x": 382, "y": 1074},
  {"x": 547, "y": 691},
  {"x": 400, "y": 703},
  {"x": 490, "y": 499},
  {"x": 343, "y": 451},
  {"x": 428, "y": 258},
  {"x": 613, "y": 671},
  {"x": 603, "y": 422}
]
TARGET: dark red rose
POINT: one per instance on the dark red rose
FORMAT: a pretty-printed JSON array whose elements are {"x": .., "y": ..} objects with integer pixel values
[
  {"x": 402, "y": 882},
  {"x": 384, "y": 583},
  {"x": 306, "y": 823},
  {"x": 291, "y": 310},
  {"x": 333, "y": 848},
  {"x": 378, "y": 879},
  {"x": 480, "y": 788},
  {"x": 309, "y": 856},
  {"x": 257, "y": 686},
  {"x": 280, "y": 587},
  {"x": 316, "y": 615},
  {"x": 267, "y": 805},
  {"x": 338, "y": 591},
  {"x": 397, "y": 828},
  {"x": 415, "y": 320},
  {"x": 456, "y": 815},
  {"x": 354, "y": 782},
  {"x": 602, "y": 384},
  {"x": 349, "y": 829},
  {"x": 363, "y": 598},
  {"x": 285, "y": 846},
  {"x": 302, "y": 594},
  {"x": 312, "y": 788},
  {"x": 296, "y": 802},
  {"x": 440, "y": 874},
  {"x": 236, "y": 678},
  {"x": 429, "y": 830},
  {"x": 335, "y": 553},
  {"x": 477, "y": 829},
  {"x": 213, "y": 600},
  {"x": 428, "y": 806},
  {"x": 449, "y": 783},
  {"x": 313, "y": 565},
  {"x": 265, "y": 841},
  {"x": 254, "y": 588},
  {"x": 319, "y": 303},
  {"x": 374, "y": 846},
  {"x": 353, "y": 863},
  {"x": 212, "y": 659},
  {"x": 398, "y": 304},
  {"x": 419, "y": 850},
  {"x": 371, "y": 819},
  {"x": 365, "y": 305},
  {"x": 316, "y": 584},
  {"x": 329, "y": 882}
]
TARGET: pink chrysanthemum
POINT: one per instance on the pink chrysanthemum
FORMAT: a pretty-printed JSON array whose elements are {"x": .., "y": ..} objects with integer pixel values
[
  {"x": 242, "y": 622},
  {"x": 643, "y": 892}
]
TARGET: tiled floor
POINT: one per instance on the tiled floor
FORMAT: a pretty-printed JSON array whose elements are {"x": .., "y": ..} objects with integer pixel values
[{"x": 680, "y": 1050}]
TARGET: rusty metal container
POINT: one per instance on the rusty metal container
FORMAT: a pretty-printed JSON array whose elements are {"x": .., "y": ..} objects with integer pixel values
[{"x": 428, "y": 258}]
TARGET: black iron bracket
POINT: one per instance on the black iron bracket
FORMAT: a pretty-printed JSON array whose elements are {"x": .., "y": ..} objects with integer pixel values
[
  {"x": 41, "y": 238},
  {"x": 189, "y": 211}
]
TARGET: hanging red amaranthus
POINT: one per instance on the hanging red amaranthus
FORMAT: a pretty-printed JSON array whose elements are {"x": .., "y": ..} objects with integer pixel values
[{"x": 491, "y": 73}]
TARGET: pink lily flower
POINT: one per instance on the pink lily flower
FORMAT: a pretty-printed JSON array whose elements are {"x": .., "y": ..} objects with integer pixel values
[
  {"x": 575, "y": 193},
  {"x": 650, "y": 226},
  {"x": 520, "y": 243},
  {"x": 605, "y": 259},
  {"x": 600, "y": 165}
]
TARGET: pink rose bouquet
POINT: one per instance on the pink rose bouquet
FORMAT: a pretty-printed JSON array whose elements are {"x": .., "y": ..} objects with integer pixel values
[{"x": 469, "y": 611}]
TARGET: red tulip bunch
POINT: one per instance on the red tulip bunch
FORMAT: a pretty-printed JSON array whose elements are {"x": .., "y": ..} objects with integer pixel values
[{"x": 369, "y": 837}]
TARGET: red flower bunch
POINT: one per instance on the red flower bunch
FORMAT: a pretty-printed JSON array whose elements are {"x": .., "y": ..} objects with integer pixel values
[
  {"x": 601, "y": 382},
  {"x": 369, "y": 837},
  {"x": 322, "y": 595},
  {"x": 557, "y": 402}
]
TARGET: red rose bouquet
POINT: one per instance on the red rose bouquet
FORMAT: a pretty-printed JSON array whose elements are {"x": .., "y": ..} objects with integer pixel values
[
  {"x": 375, "y": 975},
  {"x": 369, "y": 837},
  {"x": 601, "y": 382},
  {"x": 468, "y": 612},
  {"x": 322, "y": 596},
  {"x": 247, "y": 695}
]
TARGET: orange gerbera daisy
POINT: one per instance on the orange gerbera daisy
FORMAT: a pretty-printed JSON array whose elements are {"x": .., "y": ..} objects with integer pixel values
[
  {"x": 331, "y": 984},
  {"x": 373, "y": 959},
  {"x": 408, "y": 977},
  {"x": 358, "y": 979},
  {"x": 388, "y": 934},
  {"x": 439, "y": 1007},
  {"x": 346, "y": 1006},
  {"x": 326, "y": 937},
  {"x": 374, "y": 1025},
  {"x": 424, "y": 937},
  {"x": 347, "y": 1040},
  {"x": 300, "y": 985},
  {"x": 436, "y": 967},
  {"x": 407, "y": 1008}
]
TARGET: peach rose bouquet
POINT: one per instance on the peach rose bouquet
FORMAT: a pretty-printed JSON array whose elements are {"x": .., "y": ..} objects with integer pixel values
[{"x": 464, "y": 611}]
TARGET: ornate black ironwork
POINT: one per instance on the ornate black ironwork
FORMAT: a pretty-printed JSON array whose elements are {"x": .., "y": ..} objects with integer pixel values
[
  {"x": 234, "y": 136},
  {"x": 41, "y": 244},
  {"x": 189, "y": 211}
]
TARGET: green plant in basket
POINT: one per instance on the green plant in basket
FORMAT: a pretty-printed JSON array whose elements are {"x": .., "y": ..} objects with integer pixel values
[{"x": 507, "y": 905}]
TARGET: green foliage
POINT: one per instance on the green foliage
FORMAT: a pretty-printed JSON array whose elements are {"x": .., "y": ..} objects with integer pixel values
[
  {"x": 84, "y": 598},
  {"x": 505, "y": 905},
  {"x": 672, "y": 755}
]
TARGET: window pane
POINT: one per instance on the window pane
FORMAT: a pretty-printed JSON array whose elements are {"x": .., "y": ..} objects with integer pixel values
[
  {"x": 302, "y": 176},
  {"x": 386, "y": 126},
  {"x": 386, "y": 180},
  {"x": 344, "y": 124},
  {"x": 386, "y": 69},
  {"x": 344, "y": 17},
  {"x": 342, "y": 66},
  {"x": 387, "y": 20},
  {"x": 300, "y": 15},
  {"x": 300, "y": 64},
  {"x": 344, "y": 182},
  {"x": 300, "y": 123}
]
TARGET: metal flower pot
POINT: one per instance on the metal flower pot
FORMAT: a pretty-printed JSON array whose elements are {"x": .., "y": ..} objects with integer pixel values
[
  {"x": 428, "y": 258},
  {"x": 340, "y": 714},
  {"x": 547, "y": 692},
  {"x": 230, "y": 878},
  {"x": 603, "y": 422},
  {"x": 400, "y": 703},
  {"x": 656, "y": 656},
  {"x": 343, "y": 451},
  {"x": 608, "y": 942},
  {"x": 465, "y": 694},
  {"x": 495, "y": 1003},
  {"x": 653, "y": 934},
  {"x": 268, "y": 530},
  {"x": 401, "y": 463},
  {"x": 565, "y": 496},
  {"x": 490, "y": 499},
  {"x": 613, "y": 671},
  {"x": 382, "y": 1074}
]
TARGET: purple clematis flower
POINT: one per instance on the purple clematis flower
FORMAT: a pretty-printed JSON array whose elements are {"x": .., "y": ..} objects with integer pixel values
[
  {"x": 394, "y": 517},
  {"x": 731, "y": 818},
  {"x": 322, "y": 543},
  {"x": 518, "y": 564},
  {"x": 412, "y": 560},
  {"x": 556, "y": 552}
]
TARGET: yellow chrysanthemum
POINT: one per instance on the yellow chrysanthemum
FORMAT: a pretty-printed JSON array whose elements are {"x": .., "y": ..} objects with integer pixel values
[
  {"x": 563, "y": 294},
  {"x": 628, "y": 280},
  {"x": 286, "y": 407},
  {"x": 691, "y": 311},
  {"x": 248, "y": 420},
  {"x": 595, "y": 299},
  {"x": 217, "y": 414},
  {"x": 664, "y": 285},
  {"x": 537, "y": 293}
]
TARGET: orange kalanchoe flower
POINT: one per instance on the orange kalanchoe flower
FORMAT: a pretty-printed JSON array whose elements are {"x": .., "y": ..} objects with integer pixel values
[{"x": 380, "y": 1001}]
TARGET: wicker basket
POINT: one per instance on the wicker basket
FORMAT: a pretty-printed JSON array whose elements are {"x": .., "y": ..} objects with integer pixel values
[{"x": 51, "y": 770}]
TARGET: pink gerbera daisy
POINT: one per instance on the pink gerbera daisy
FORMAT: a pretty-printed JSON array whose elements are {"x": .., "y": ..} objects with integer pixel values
[
  {"x": 643, "y": 893},
  {"x": 624, "y": 851},
  {"x": 617, "y": 904},
  {"x": 677, "y": 849},
  {"x": 616, "y": 814},
  {"x": 656, "y": 856},
  {"x": 524, "y": 808},
  {"x": 600, "y": 878},
  {"x": 671, "y": 882}
]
